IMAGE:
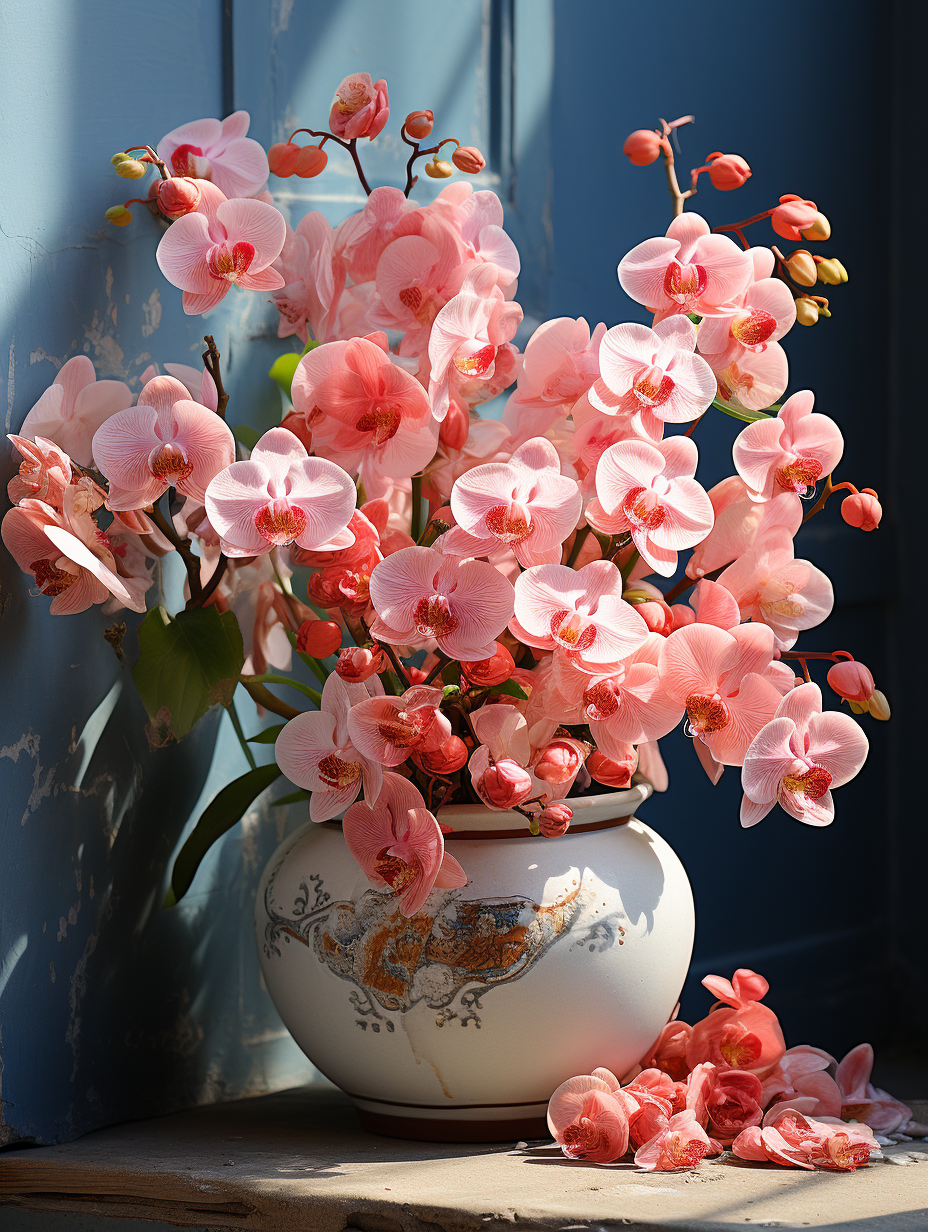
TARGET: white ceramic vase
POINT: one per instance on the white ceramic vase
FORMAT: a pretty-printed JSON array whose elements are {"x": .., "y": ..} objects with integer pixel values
[{"x": 558, "y": 956}]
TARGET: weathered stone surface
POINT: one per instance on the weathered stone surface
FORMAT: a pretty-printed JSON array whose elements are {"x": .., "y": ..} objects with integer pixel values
[{"x": 299, "y": 1160}]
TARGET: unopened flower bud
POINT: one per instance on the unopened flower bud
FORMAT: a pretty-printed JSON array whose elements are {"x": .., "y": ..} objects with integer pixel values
[
  {"x": 653, "y": 611},
  {"x": 451, "y": 757},
  {"x": 611, "y": 772},
  {"x": 807, "y": 311},
  {"x": 504, "y": 784},
  {"x": 728, "y": 171},
  {"x": 801, "y": 267},
  {"x": 555, "y": 820},
  {"x": 131, "y": 169},
  {"x": 559, "y": 761},
  {"x": 793, "y": 216},
  {"x": 310, "y": 162},
  {"x": 467, "y": 158},
  {"x": 120, "y": 157},
  {"x": 418, "y": 124},
  {"x": 484, "y": 673},
  {"x": 851, "y": 680},
  {"x": 831, "y": 271},
  {"x": 318, "y": 638},
  {"x": 438, "y": 169},
  {"x": 862, "y": 509},
  {"x": 454, "y": 427},
  {"x": 177, "y": 196},
  {"x": 879, "y": 706},
  {"x": 642, "y": 147},
  {"x": 119, "y": 216},
  {"x": 819, "y": 230},
  {"x": 281, "y": 158},
  {"x": 355, "y": 664}
]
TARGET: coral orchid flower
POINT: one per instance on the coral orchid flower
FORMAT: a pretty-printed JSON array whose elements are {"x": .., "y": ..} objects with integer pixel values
[
  {"x": 862, "y": 1101},
  {"x": 218, "y": 151},
  {"x": 361, "y": 107},
  {"x": 789, "y": 453},
  {"x": 772, "y": 587},
  {"x": 389, "y": 729},
  {"x": 73, "y": 408},
  {"x": 681, "y": 1144},
  {"x": 588, "y": 1121},
  {"x": 746, "y": 1036},
  {"x": 560, "y": 363}
]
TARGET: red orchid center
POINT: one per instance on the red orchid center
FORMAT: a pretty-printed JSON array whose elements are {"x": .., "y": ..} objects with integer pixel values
[
  {"x": 511, "y": 523},
  {"x": 168, "y": 461},
  {"x": 653, "y": 386},
  {"x": 842, "y": 1153},
  {"x": 395, "y": 871},
  {"x": 775, "y": 598},
  {"x": 643, "y": 509},
  {"x": 337, "y": 772},
  {"x": 740, "y": 1051},
  {"x": 583, "y": 1137},
  {"x": 381, "y": 421},
  {"x": 182, "y": 161},
  {"x": 280, "y": 522},
  {"x": 685, "y": 283},
  {"x": 478, "y": 363},
  {"x": 406, "y": 729},
  {"x": 798, "y": 475},
  {"x": 811, "y": 783},
  {"x": 230, "y": 264},
  {"x": 434, "y": 617},
  {"x": 754, "y": 328},
  {"x": 682, "y": 1151},
  {"x": 602, "y": 699},
  {"x": 51, "y": 580},
  {"x": 572, "y": 631},
  {"x": 411, "y": 298},
  {"x": 355, "y": 96},
  {"x": 707, "y": 713}
]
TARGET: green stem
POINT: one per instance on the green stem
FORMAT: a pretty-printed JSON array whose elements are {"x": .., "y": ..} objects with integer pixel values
[
  {"x": 416, "y": 517},
  {"x": 271, "y": 678},
  {"x": 580, "y": 540},
  {"x": 236, "y": 723},
  {"x": 629, "y": 565}
]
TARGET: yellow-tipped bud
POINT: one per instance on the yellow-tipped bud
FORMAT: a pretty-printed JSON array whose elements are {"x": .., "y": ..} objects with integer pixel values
[
  {"x": 831, "y": 271},
  {"x": 879, "y": 706},
  {"x": 438, "y": 169},
  {"x": 806, "y": 311},
  {"x": 819, "y": 230},
  {"x": 119, "y": 216},
  {"x": 801, "y": 267},
  {"x": 119, "y": 157},
  {"x": 131, "y": 169}
]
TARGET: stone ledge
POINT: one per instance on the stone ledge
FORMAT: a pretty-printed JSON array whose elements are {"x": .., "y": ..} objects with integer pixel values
[{"x": 298, "y": 1160}]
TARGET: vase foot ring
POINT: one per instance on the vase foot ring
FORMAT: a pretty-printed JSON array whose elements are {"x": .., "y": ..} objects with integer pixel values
[{"x": 450, "y": 1129}]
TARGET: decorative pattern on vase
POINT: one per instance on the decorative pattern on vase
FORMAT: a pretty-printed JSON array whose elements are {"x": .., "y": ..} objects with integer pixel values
[{"x": 450, "y": 954}]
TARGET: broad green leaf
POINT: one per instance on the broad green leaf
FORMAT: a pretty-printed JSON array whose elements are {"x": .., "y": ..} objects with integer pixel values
[
  {"x": 220, "y": 815},
  {"x": 743, "y": 415},
  {"x": 186, "y": 664},
  {"x": 268, "y": 736},
  {"x": 246, "y": 435},
  {"x": 511, "y": 689}
]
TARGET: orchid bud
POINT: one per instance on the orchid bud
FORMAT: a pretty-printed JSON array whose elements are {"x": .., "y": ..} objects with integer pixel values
[
  {"x": 793, "y": 216},
  {"x": 120, "y": 157},
  {"x": 801, "y": 267},
  {"x": 438, "y": 169},
  {"x": 418, "y": 124},
  {"x": 178, "y": 195},
  {"x": 852, "y": 681},
  {"x": 281, "y": 158},
  {"x": 451, "y": 757},
  {"x": 310, "y": 162},
  {"x": 831, "y": 271},
  {"x": 504, "y": 784},
  {"x": 682, "y": 615},
  {"x": 642, "y": 147},
  {"x": 318, "y": 638},
  {"x": 728, "y": 171},
  {"x": 555, "y": 820},
  {"x": 862, "y": 509},
  {"x": 879, "y": 706},
  {"x": 454, "y": 427},
  {"x": 355, "y": 664},
  {"x": 559, "y": 761},
  {"x": 612, "y": 773},
  {"x": 807, "y": 311},
  {"x": 467, "y": 158},
  {"x": 118, "y": 215},
  {"x": 653, "y": 611},
  {"x": 131, "y": 169},
  {"x": 819, "y": 230},
  {"x": 484, "y": 673}
]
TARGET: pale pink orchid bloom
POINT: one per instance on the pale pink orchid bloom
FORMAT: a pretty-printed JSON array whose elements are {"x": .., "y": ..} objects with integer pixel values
[
  {"x": 165, "y": 441},
  {"x": 280, "y": 496},
  {"x": 467, "y": 335},
  {"x": 361, "y": 238},
  {"x": 772, "y": 587},
  {"x": 789, "y": 453},
  {"x": 648, "y": 490},
  {"x": 219, "y": 151},
  {"x": 653, "y": 373},
  {"x": 205, "y": 253},
  {"x": 73, "y": 407},
  {"x": 559, "y": 364},
  {"x": 199, "y": 384},
  {"x": 361, "y": 107},
  {"x": 389, "y": 729},
  {"x": 44, "y": 473},
  {"x": 682, "y": 1144},
  {"x": 739, "y": 521},
  {"x": 593, "y": 433},
  {"x": 800, "y": 1079},
  {"x": 690, "y": 270},
  {"x": 315, "y": 752},
  {"x": 718, "y": 676},
  {"x": 749, "y": 380},
  {"x": 506, "y": 739},
  {"x": 746, "y": 1036},
  {"x": 313, "y": 290},
  {"x": 414, "y": 277},
  {"x": 588, "y": 1121},
  {"x": 580, "y": 611},
  {"x": 71, "y": 559},
  {"x": 525, "y": 506},
  {"x": 399, "y": 844},
  {"x": 862, "y": 1101},
  {"x": 420, "y": 594}
]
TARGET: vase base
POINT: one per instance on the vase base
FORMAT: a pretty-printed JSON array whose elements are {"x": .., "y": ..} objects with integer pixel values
[{"x": 449, "y": 1129}]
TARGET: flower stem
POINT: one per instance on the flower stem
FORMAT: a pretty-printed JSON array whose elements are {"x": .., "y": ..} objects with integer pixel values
[
  {"x": 580, "y": 540},
  {"x": 416, "y": 515},
  {"x": 237, "y": 725},
  {"x": 272, "y": 678},
  {"x": 264, "y": 697},
  {"x": 211, "y": 364}
]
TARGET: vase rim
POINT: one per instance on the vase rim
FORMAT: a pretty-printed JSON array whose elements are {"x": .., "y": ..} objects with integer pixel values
[{"x": 588, "y": 811}]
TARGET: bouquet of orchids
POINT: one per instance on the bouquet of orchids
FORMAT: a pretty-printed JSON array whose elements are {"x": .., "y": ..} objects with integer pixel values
[{"x": 481, "y": 601}]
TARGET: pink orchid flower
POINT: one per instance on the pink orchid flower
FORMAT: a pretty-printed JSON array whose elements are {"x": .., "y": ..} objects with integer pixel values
[
  {"x": 73, "y": 407},
  {"x": 588, "y": 1121},
  {"x": 199, "y": 384},
  {"x": 399, "y": 844},
  {"x": 746, "y": 1036},
  {"x": 749, "y": 380},
  {"x": 725, "y": 1101},
  {"x": 361, "y": 107},
  {"x": 772, "y": 587},
  {"x": 506, "y": 746},
  {"x": 218, "y": 151},
  {"x": 280, "y": 496},
  {"x": 525, "y": 506},
  {"x": 205, "y": 253},
  {"x": 467, "y": 336},
  {"x": 577, "y": 610},
  {"x": 313, "y": 281},
  {"x": 648, "y": 490},
  {"x": 690, "y": 270},
  {"x": 315, "y": 752},
  {"x": 798, "y": 757},
  {"x": 165, "y": 441},
  {"x": 419, "y": 594},
  {"x": 683, "y": 1143},
  {"x": 44, "y": 473},
  {"x": 71, "y": 559},
  {"x": 560, "y": 363},
  {"x": 789, "y": 1138},
  {"x": 789, "y": 453},
  {"x": 801, "y": 1081},
  {"x": 862, "y": 1101},
  {"x": 668, "y": 1052},
  {"x": 654, "y": 374},
  {"x": 389, "y": 729},
  {"x": 739, "y": 522},
  {"x": 361, "y": 238},
  {"x": 719, "y": 677}
]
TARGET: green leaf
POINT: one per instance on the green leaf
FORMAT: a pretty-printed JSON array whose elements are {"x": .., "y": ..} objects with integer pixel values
[
  {"x": 511, "y": 689},
  {"x": 451, "y": 673},
  {"x": 268, "y": 736},
  {"x": 744, "y": 416},
  {"x": 186, "y": 664},
  {"x": 246, "y": 435},
  {"x": 220, "y": 815},
  {"x": 282, "y": 370},
  {"x": 272, "y": 678},
  {"x": 294, "y": 798}
]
